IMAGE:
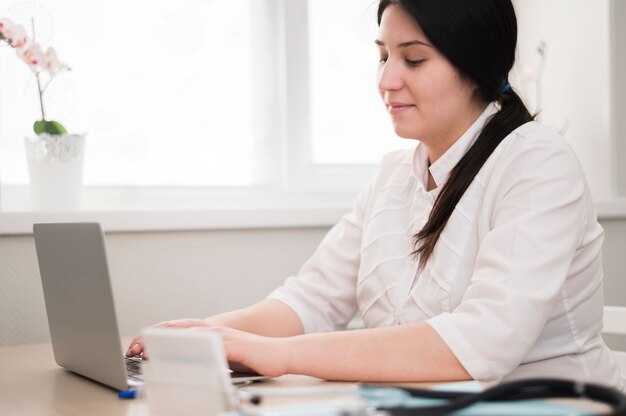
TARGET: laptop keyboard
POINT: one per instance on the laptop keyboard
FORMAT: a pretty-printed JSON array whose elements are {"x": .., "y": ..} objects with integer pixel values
[{"x": 133, "y": 368}]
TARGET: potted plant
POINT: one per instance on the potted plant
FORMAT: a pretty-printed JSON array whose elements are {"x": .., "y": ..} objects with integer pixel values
[{"x": 55, "y": 158}]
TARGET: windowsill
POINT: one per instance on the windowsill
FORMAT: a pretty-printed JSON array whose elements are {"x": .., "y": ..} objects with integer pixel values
[
  {"x": 131, "y": 210},
  {"x": 611, "y": 208},
  {"x": 209, "y": 219}
]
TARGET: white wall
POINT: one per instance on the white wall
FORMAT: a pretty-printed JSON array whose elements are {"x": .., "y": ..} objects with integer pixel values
[
  {"x": 576, "y": 82},
  {"x": 618, "y": 92},
  {"x": 159, "y": 276}
]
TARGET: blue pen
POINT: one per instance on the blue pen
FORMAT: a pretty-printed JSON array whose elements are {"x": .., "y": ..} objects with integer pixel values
[{"x": 130, "y": 393}]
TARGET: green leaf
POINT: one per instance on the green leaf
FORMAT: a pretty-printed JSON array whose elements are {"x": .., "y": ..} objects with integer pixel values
[
  {"x": 1, "y": 36},
  {"x": 51, "y": 127},
  {"x": 54, "y": 127},
  {"x": 38, "y": 127}
]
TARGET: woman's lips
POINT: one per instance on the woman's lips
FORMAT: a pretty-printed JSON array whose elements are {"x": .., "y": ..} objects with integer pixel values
[{"x": 397, "y": 108}]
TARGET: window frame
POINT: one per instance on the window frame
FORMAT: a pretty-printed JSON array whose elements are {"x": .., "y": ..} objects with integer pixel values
[{"x": 303, "y": 174}]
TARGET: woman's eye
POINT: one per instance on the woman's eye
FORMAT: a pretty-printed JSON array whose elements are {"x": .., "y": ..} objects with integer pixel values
[
  {"x": 382, "y": 59},
  {"x": 413, "y": 63}
]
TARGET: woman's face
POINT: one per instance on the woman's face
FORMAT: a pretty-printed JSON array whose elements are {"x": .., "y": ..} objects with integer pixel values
[{"x": 424, "y": 94}]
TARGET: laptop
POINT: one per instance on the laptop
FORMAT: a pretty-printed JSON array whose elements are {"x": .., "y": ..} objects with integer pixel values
[{"x": 80, "y": 307}]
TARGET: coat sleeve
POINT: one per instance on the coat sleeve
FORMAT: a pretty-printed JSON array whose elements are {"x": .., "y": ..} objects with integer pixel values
[{"x": 537, "y": 224}]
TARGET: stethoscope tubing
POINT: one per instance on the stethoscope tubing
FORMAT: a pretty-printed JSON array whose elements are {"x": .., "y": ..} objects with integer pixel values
[{"x": 509, "y": 391}]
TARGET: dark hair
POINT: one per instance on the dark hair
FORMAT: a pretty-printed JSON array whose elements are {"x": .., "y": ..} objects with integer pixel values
[{"x": 478, "y": 37}]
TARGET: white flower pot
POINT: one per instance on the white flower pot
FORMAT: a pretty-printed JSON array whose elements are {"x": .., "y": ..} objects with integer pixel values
[{"x": 55, "y": 167}]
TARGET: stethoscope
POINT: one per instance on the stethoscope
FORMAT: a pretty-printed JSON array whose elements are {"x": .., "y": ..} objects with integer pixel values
[
  {"x": 508, "y": 391},
  {"x": 383, "y": 399}
]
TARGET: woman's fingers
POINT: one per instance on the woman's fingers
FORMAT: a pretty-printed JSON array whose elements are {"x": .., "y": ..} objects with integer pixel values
[{"x": 136, "y": 346}]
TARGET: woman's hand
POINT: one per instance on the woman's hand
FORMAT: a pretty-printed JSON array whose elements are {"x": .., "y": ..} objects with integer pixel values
[
  {"x": 136, "y": 346},
  {"x": 245, "y": 351}
]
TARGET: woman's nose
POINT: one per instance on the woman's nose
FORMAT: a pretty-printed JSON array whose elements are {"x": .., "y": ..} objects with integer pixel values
[{"x": 389, "y": 77}]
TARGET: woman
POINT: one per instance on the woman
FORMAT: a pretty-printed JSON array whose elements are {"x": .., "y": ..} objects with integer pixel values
[{"x": 476, "y": 255}]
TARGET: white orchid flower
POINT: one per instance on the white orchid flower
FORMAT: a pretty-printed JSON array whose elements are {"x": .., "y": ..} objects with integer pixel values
[
  {"x": 18, "y": 38},
  {"x": 32, "y": 54},
  {"x": 6, "y": 28},
  {"x": 15, "y": 35},
  {"x": 52, "y": 63}
]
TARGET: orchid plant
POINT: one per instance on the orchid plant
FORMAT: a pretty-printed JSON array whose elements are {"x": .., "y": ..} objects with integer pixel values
[{"x": 42, "y": 64}]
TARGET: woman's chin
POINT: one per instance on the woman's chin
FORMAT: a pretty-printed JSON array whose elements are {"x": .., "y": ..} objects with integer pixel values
[{"x": 404, "y": 133}]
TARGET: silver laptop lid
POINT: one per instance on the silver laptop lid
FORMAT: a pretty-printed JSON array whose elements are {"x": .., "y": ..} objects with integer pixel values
[{"x": 79, "y": 301}]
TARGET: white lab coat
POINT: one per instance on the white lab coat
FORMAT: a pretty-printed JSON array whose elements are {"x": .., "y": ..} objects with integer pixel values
[{"x": 514, "y": 286}]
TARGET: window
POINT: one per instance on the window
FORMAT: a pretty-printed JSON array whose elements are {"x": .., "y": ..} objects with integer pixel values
[
  {"x": 348, "y": 122},
  {"x": 166, "y": 91},
  {"x": 276, "y": 97},
  {"x": 336, "y": 125}
]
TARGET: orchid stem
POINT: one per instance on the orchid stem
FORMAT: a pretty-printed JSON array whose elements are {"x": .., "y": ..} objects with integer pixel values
[
  {"x": 45, "y": 87},
  {"x": 43, "y": 114}
]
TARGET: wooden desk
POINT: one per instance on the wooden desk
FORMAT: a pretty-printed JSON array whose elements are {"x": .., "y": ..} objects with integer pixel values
[{"x": 31, "y": 383}]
